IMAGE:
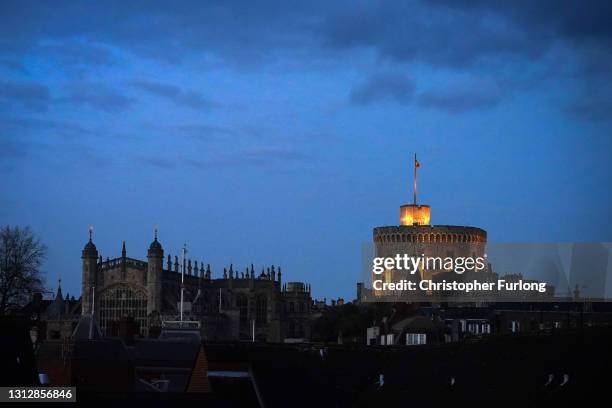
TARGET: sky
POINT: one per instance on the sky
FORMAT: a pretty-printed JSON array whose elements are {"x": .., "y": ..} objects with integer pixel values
[{"x": 283, "y": 132}]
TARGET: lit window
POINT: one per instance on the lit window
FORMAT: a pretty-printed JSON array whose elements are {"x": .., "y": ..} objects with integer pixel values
[{"x": 416, "y": 339}]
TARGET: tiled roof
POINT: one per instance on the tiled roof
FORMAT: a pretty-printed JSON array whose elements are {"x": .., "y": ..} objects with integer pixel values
[{"x": 198, "y": 382}]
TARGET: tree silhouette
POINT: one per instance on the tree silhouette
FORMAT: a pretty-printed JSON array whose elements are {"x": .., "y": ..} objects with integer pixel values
[{"x": 21, "y": 255}]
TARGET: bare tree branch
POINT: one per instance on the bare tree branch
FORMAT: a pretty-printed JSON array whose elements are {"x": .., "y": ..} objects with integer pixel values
[{"x": 21, "y": 256}]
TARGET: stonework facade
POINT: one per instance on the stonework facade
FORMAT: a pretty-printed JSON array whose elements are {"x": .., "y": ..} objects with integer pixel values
[
  {"x": 239, "y": 305},
  {"x": 416, "y": 238},
  {"x": 430, "y": 241}
]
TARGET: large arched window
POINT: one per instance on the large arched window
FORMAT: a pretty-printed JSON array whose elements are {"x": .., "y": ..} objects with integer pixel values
[
  {"x": 122, "y": 301},
  {"x": 242, "y": 303},
  {"x": 261, "y": 309}
]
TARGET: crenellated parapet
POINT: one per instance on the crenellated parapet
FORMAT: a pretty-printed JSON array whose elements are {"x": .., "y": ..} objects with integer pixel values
[
  {"x": 116, "y": 263},
  {"x": 429, "y": 234}
]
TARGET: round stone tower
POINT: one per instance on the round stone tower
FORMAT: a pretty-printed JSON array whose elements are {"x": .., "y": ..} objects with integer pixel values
[{"x": 416, "y": 237}]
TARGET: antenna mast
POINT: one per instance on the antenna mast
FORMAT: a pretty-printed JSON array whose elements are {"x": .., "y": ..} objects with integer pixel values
[
  {"x": 183, "y": 279},
  {"x": 93, "y": 312},
  {"x": 416, "y": 166}
]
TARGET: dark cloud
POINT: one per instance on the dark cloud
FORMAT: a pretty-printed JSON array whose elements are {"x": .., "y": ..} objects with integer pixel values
[
  {"x": 462, "y": 97},
  {"x": 445, "y": 32},
  {"x": 459, "y": 96},
  {"x": 583, "y": 29},
  {"x": 14, "y": 65},
  {"x": 591, "y": 109},
  {"x": 416, "y": 32},
  {"x": 175, "y": 94},
  {"x": 73, "y": 54},
  {"x": 592, "y": 105},
  {"x": 384, "y": 87},
  {"x": 17, "y": 126},
  {"x": 483, "y": 36},
  {"x": 55, "y": 143},
  {"x": 31, "y": 137},
  {"x": 97, "y": 96},
  {"x": 474, "y": 35},
  {"x": 576, "y": 22},
  {"x": 28, "y": 95},
  {"x": 239, "y": 31}
]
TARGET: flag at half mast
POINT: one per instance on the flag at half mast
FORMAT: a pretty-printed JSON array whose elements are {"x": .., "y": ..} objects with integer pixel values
[
  {"x": 413, "y": 213},
  {"x": 416, "y": 166}
]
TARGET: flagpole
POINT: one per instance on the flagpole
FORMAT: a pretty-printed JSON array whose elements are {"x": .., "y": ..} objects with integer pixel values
[
  {"x": 93, "y": 312},
  {"x": 183, "y": 280},
  {"x": 415, "y": 170}
]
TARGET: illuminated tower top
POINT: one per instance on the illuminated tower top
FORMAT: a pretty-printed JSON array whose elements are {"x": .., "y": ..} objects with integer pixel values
[{"x": 414, "y": 214}]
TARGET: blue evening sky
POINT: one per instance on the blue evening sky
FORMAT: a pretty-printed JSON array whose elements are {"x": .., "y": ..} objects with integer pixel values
[{"x": 271, "y": 133}]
